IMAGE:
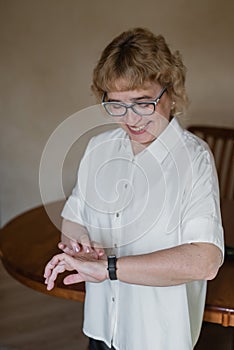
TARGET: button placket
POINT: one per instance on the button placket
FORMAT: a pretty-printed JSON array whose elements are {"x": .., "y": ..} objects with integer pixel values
[{"x": 114, "y": 306}]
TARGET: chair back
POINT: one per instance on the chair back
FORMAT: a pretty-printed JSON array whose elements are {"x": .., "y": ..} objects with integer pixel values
[{"x": 221, "y": 142}]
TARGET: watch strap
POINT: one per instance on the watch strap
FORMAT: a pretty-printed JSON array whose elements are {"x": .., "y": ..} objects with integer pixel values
[{"x": 112, "y": 267}]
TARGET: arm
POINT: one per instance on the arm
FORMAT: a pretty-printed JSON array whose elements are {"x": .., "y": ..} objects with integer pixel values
[
  {"x": 178, "y": 265},
  {"x": 181, "y": 264}
]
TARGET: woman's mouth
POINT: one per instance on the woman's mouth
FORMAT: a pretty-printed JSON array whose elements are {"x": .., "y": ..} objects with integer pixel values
[{"x": 137, "y": 130}]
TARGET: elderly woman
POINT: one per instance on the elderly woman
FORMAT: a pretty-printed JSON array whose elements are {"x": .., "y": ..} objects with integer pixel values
[{"x": 147, "y": 195}]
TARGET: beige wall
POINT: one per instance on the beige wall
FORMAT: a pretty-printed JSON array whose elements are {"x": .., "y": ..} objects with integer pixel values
[{"x": 48, "y": 50}]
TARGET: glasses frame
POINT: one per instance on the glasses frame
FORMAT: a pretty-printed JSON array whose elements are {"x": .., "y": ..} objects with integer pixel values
[{"x": 126, "y": 106}]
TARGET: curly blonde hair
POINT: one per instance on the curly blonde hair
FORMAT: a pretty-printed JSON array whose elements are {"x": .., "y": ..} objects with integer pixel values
[{"x": 138, "y": 56}]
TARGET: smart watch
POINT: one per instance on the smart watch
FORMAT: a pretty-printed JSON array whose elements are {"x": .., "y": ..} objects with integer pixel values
[{"x": 112, "y": 267}]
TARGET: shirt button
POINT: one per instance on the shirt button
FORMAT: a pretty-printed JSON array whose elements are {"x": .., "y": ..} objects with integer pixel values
[
  {"x": 126, "y": 186},
  {"x": 117, "y": 215},
  {"x": 113, "y": 299},
  {"x": 115, "y": 245}
]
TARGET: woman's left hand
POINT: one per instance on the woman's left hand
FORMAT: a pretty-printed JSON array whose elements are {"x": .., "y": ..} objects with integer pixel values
[{"x": 88, "y": 268}]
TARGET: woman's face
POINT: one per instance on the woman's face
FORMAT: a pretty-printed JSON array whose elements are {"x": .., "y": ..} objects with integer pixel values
[{"x": 143, "y": 129}]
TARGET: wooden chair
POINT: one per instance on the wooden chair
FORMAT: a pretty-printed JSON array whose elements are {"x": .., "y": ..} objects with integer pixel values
[{"x": 221, "y": 142}]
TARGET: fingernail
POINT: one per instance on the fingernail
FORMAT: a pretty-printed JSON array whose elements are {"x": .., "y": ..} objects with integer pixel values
[{"x": 75, "y": 248}]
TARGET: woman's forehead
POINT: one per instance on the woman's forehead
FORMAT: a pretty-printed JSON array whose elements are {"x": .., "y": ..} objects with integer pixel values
[
  {"x": 121, "y": 85},
  {"x": 148, "y": 91}
]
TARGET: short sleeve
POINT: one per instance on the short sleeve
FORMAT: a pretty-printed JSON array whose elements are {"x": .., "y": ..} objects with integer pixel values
[
  {"x": 201, "y": 218},
  {"x": 74, "y": 206}
]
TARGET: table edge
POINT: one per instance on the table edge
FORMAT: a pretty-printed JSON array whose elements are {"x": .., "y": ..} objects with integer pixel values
[{"x": 65, "y": 293}]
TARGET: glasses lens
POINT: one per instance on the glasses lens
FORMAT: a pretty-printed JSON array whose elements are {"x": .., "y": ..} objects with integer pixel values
[
  {"x": 144, "y": 108},
  {"x": 115, "y": 109}
]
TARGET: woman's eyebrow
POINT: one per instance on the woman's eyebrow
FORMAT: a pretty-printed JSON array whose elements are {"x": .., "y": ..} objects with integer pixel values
[
  {"x": 113, "y": 100},
  {"x": 144, "y": 97},
  {"x": 133, "y": 99}
]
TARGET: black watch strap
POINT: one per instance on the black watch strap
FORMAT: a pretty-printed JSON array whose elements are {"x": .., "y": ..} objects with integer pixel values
[{"x": 112, "y": 267}]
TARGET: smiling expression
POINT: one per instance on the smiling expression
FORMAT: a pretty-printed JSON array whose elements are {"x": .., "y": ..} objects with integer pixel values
[{"x": 143, "y": 129}]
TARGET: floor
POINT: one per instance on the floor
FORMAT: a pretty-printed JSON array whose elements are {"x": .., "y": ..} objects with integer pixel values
[{"x": 33, "y": 321}]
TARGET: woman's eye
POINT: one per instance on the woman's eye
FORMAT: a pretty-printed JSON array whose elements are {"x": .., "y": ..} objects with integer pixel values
[
  {"x": 116, "y": 106},
  {"x": 144, "y": 105}
]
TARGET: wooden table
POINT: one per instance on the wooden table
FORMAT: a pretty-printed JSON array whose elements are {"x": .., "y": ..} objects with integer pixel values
[
  {"x": 29, "y": 241},
  {"x": 220, "y": 291}
]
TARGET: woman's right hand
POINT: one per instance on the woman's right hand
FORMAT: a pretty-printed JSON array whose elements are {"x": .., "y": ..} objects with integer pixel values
[
  {"x": 75, "y": 240},
  {"x": 73, "y": 248}
]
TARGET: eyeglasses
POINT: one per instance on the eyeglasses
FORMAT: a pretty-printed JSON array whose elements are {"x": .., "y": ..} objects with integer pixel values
[{"x": 119, "y": 109}]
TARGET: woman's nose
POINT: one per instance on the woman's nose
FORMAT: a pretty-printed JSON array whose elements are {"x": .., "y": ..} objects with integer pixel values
[{"x": 131, "y": 117}]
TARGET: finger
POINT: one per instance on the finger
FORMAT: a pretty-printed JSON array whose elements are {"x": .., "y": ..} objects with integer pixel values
[
  {"x": 58, "y": 269},
  {"x": 67, "y": 243},
  {"x": 98, "y": 248},
  {"x": 52, "y": 263},
  {"x": 61, "y": 245},
  {"x": 58, "y": 264},
  {"x": 48, "y": 269},
  {"x": 69, "y": 251},
  {"x": 85, "y": 242},
  {"x": 76, "y": 247},
  {"x": 72, "y": 249},
  {"x": 50, "y": 281},
  {"x": 74, "y": 278}
]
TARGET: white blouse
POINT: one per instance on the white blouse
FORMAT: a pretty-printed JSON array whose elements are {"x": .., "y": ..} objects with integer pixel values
[{"x": 162, "y": 197}]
